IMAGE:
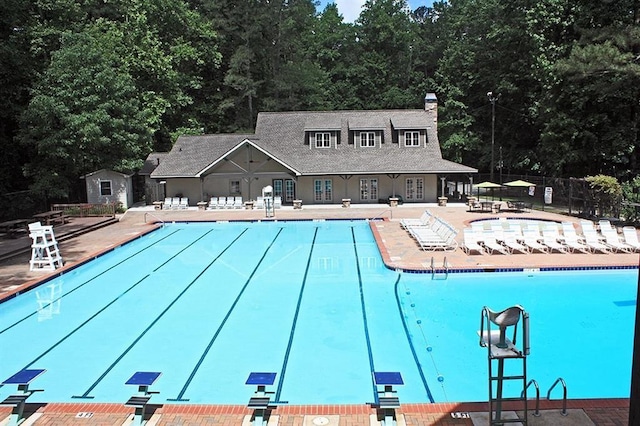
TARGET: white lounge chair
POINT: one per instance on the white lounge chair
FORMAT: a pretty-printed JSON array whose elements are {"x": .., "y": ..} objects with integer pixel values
[
  {"x": 213, "y": 202},
  {"x": 471, "y": 241},
  {"x": 175, "y": 203},
  {"x": 237, "y": 203},
  {"x": 277, "y": 202},
  {"x": 426, "y": 219},
  {"x": 573, "y": 242},
  {"x": 167, "y": 203},
  {"x": 183, "y": 204},
  {"x": 491, "y": 244},
  {"x": 259, "y": 204},
  {"x": 511, "y": 242},
  {"x": 612, "y": 239},
  {"x": 222, "y": 202},
  {"x": 631, "y": 237},
  {"x": 531, "y": 239},
  {"x": 550, "y": 239},
  {"x": 592, "y": 239}
]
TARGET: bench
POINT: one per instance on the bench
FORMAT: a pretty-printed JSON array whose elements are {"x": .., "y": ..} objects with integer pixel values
[
  {"x": 17, "y": 401},
  {"x": 142, "y": 379}
]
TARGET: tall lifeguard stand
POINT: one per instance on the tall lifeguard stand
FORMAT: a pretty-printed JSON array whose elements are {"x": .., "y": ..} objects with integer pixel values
[
  {"x": 45, "y": 255},
  {"x": 267, "y": 195},
  {"x": 501, "y": 348}
]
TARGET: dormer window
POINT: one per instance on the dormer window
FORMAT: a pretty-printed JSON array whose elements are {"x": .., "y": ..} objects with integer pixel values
[
  {"x": 323, "y": 140},
  {"x": 367, "y": 139},
  {"x": 411, "y": 138}
]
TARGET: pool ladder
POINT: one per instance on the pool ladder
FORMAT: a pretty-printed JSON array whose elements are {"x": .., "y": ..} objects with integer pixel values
[
  {"x": 564, "y": 395},
  {"x": 435, "y": 272}
]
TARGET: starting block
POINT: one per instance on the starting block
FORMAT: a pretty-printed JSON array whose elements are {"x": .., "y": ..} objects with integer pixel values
[
  {"x": 142, "y": 379},
  {"x": 260, "y": 401},
  {"x": 388, "y": 401},
  {"x": 18, "y": 400}
]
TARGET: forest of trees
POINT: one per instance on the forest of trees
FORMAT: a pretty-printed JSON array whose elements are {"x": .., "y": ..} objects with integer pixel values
[{"x": 91, "y": 84}]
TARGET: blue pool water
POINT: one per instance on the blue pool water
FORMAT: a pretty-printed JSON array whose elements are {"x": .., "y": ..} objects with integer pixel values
[{"x": 206, "y": 304}]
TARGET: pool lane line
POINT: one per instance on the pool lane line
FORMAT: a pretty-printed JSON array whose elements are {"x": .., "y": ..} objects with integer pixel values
[
  {"x": 86, "y": 282},
  {"x": 222, "y": 324},
  {"x": 294, "y": 323},
  {"x": 364, "y": 317},
  {"x": 413, "y": 350},
  {"x": 86, "y": 395},
  {"x": 103, "y": 308}
]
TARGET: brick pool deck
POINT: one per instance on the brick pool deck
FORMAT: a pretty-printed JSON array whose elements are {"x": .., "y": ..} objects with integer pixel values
[{"x": 398, "y": 250}]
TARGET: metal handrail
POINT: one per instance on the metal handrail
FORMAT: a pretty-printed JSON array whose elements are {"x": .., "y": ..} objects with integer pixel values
[
  {"x": 564, "y": 395},
  {"x": 532, "y": 381},
  {"x": 379, "y": 215},
  {"x": 151, "y": 214}
]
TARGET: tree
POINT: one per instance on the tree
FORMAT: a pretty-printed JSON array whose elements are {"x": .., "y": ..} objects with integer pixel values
[{"x": 85, "y": 114}]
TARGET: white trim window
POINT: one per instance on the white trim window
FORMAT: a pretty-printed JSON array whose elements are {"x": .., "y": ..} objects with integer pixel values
[
  {"x": 367, "y": 139},
  {"x": 323, "y": 140},
  {"x": 368, "y": 189},
  {"x": 322, "y": 190},
  {"x": 414, "y": 189},
  {"x": 106, "y": 188},
  {"x": 411, "y": 138}
]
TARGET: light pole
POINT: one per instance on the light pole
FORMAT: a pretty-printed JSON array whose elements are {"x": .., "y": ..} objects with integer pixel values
[{"x": 492, "y": 98}]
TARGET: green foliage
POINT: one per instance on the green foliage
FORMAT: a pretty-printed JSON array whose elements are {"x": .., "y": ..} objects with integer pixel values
[
  {"x": 631, "y": 205},
  {"x": 606, "y": 193}
]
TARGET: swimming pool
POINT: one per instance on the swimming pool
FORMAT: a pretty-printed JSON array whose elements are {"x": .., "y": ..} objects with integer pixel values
[{"x": 205, "y": 304}]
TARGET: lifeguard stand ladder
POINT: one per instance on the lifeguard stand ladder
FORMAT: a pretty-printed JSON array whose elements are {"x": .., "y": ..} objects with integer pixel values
[
  {"x": 45, "y": 255},
  {"x": 500, "y": 348}
]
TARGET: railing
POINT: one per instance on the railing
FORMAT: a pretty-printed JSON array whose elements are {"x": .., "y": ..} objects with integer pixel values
[
  {"x": 379, "y": 215},
  {"x": 564, "y": 395},
  {"x": 532, "y": 381},
  {"x": 151, "y": 214},
  {"x": 86, "y": 209},
  {"x": 445, "y": 266}
]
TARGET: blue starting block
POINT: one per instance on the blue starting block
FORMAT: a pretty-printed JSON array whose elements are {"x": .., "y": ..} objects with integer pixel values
[
  {"x": 142, "y": 379},
  {"x": 388, "y": 401},
  {"x": 17, "y": 401},
  {"x": 260, "y": 401}
]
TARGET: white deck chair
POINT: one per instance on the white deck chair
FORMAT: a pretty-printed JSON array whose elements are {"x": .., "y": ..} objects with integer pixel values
[
  {"x": 222, "y": 202},
  {"x": 471, "y": 241},
  {"x": 587, "y": 225},
  {"x": 259, "y": 204},
  {"x": 237, "y": 203},
  {"x": 277, "y": 202},
  {"x": 550, "y": 239},
  {"x": 175, "y": 203},
  {"x": 605, "y": 225},
  {"x": 511, "y": 242},
  {"x": 592, "y": 239},
  {"x": 531, "y": 239},
  {"x": 167, "y": 203},
  {"x": 426, "y": 219},
  {"x": 491, "y": 244},
  {"x": 229, "y": 202},
  {"x": 213, "y": 202},
  {"x": 612, "y": 239},
  {"x": 631, "y": 237},
  {"x": 183, "y": 204},
  {"x": 569, "y": 232},
  {"x": 574, "y": 242}
]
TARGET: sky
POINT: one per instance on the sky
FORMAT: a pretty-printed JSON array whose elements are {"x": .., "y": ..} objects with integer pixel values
[{"x": 350, "y": 9}]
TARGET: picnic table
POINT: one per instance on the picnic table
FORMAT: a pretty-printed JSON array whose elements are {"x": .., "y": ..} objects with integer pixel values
[
  {"x": 12, "y": 227},
  {"x": 51, "y": 217}
]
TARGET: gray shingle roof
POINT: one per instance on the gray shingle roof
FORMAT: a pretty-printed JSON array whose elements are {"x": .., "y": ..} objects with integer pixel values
[{"x": 282, "y": 136}]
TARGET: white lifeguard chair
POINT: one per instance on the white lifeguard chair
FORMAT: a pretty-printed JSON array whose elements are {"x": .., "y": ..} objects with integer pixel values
[
  {"x": 500, "y": 348},
  {"x": 45, "y": 255},
  {"x": 267, "y": 196}
]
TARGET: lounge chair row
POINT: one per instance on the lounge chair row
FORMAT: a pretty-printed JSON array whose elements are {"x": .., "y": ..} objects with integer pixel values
[
  {"x": 225, "y": 203},
  {"x": 548, "y": 239},
  {"x": 175, "y": 203},
  {"x": 431, "y": 232}
]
